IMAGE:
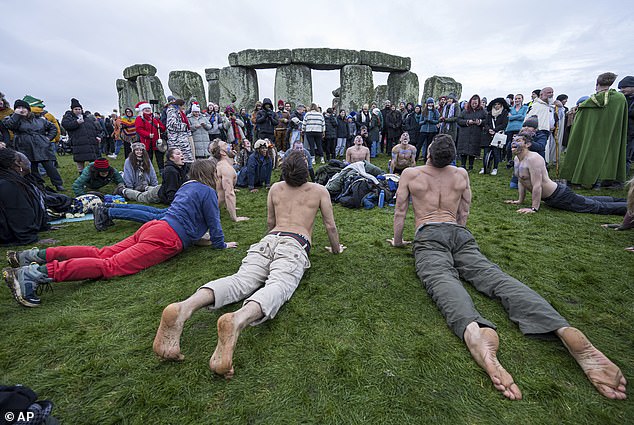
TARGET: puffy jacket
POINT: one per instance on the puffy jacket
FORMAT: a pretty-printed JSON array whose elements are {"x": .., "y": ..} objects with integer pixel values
[
  {"x": 32, "y": 136},
  {"x": 83, "y": 137},
  {"x": 93, "y": 181},
  {"x": 144, "y": 127},
  {"x": 200, "y": 133},
  {"x": 342, "y": 128},
  {"x": 266, "y": 120},
  {"x": 331, "y": 126},
  {"x": 429, "y": 120}
]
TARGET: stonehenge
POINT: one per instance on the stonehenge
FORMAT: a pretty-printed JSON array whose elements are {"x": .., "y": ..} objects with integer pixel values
[{"x": 238, "y": 82}]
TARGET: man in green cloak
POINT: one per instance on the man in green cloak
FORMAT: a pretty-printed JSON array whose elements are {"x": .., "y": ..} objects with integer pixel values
[{"x": 596, "y": 149}]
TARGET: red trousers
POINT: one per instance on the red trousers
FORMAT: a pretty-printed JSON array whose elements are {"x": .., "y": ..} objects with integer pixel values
[{"x": 152, "y": 244}]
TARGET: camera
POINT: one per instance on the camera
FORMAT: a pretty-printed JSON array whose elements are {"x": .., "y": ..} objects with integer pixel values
[{"x": 154, "y": 102}]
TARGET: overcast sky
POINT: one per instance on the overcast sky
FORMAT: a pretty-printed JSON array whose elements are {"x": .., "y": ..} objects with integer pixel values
[{"x": 55, "y": 50}]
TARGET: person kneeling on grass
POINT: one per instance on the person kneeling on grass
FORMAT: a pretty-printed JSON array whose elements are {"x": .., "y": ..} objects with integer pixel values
[
  {"x": 445, "y": 251},
  {"x": 193, "y": 213},
  {"x": 97, "y": 175},
  {"x": 269, "y": 274}
]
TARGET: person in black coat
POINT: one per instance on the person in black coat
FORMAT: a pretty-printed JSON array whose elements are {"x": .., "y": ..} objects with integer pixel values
[
  {"x": 331, "y": 134},
  {"x": 84, "y": 134},
  {"x": 266, "y": 120},
  {"x": 471, "y": 122},
  {"x": 394, "y": 121},
  {"x": 32, "y": 137},
  {"x": 174, "y": 175},
  {"x": 496, "y": 121},
  {"x": 22, "y": 210}
]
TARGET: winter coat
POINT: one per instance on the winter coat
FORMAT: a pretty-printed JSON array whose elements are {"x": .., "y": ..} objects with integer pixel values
[
  {"x": 88, "y": 180},
  {"x": 450, "y": 124},
  {"x": 470, "y": 135},
  {"x": 394, "y": 121},
  {"x": 363, "y": 118},
  {"x": 373, "y": 129},
  {"x": 231, "y": 138},
  {"x": 499, "y": 124},
  {"x": 22, "y": 211},
  {"x": 6, "y": 136},
  {"x": 429, "y": 120},
  {"x": 516, "y": 118},
  {"x": 145, "y": 127},
  {"x": 314, "y": 122},
  {"x": 32, "y": 136},
  {"x": 410, "y": 124},
  {"x": 178, "y": 133},
  {"x": 135, "y": 180},
  {"x": 266, "y": 120},
  {"x": 331, "y": 126},
  {"x": 83, "y": 137},
  {"x": 342, "y": 128},
  {"x": 248, "y": 125},
  {"x": 216, "y": 120},
  {"x": 296, "y": 120},
  {"x": 258, "y": 170},
  {"x": 200, "y": 132},
  {"x": 173, "y": 178}
]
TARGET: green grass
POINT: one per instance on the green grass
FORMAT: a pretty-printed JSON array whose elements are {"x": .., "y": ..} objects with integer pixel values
[{"x": 359, "y": 342}]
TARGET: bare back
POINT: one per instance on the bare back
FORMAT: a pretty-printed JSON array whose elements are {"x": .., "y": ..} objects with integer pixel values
[
  {"x": 438, "y": 194},
  {"x": 293, "y": 209},
  {"x": 532, "y": 171}
]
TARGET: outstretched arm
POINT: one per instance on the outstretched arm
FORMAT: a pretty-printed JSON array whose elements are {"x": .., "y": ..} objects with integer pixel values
[
  {"x": 400, "y": 211},
  {"x": 465, "y": 203},
  {"x": 270, "y": 208},
  {"x": 328, "y": 217}
]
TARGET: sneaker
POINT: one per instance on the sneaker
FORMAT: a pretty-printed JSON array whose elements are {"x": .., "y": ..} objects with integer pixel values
[
  {"x": 494, "y": 172},
  {"x": 481, "y": 171},
  {"x": 313, "y": 161},
  {"x": 113, "y": 156},
  {"x": 322, "y": 161},
  {"x": 23, "y": 282},
  {"x": 101, "y": 218},
  {"x": 24, "y": 258}
]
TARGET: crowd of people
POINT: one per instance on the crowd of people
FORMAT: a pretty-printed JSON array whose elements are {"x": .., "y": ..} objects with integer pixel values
[{"x": 203, "y": 154}]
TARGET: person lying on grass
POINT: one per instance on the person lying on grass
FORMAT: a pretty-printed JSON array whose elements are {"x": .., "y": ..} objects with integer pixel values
[
  {"x": 445, "y": 251},
  {"x": 269, "y": 274},
  {"x": 530, "y": 168},
  {"x": 193, "y": 212}
]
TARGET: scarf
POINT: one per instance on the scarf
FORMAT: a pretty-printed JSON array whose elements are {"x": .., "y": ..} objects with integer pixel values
[
  {"x": 128, "y": 125},
  {"x": 236, "y": 131},
  {"x": 184, "y": 118},
  {"x": 496, "y": 112},
  {"x": 449, "y": 111}
]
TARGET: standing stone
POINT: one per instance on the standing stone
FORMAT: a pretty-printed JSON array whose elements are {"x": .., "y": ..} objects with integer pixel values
[
  {"x": 132, "y": 72},
  {"x": 238, "y": 85},
  {"x": 187, "y": 85},
  {"x": 357, "y": 87},
  {"x": 402, "y": 86},
  {"x": 380, "y": 95},
  {"x": 149, "y": 87},
  {"x": 294, "y": 84},
  {"x": 213, "y": 84},
  {"x": 128, "y": 96},
  {"x": 441, "y": 86}
]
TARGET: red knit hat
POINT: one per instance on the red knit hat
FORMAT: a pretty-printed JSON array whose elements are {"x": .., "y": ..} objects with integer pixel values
[
  {"x": 280, "y": 103},
  {"x": 101, "y": 164}
]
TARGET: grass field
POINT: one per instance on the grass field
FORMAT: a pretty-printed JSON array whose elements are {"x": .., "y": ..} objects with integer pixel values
[{"x": 359, "y": 342}]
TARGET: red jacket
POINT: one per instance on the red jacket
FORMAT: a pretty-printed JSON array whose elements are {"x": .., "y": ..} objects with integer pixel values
[{"x": 146, "y": 126}]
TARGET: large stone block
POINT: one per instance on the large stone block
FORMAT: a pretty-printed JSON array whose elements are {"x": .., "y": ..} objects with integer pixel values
[
  {"x": 149, "y": 87},
  {"x": 260, "y": 58},
  {"x": 325, "y": 59},
  {"x": 132, "y": 72},
  {"x": 402, "y": 86},
  {"x": 212, "y": 74},
  {"x": 384, "y": 62},
  {"x": 213, "y": 90},
  {"x": 187, "y": 85},
  {"x": 380, "y": 95},
  {"x": 294, "y": 84},
  {"x": 357, "y": 87},
  {"x": 238, "y": 85},
  {"x": 128, "y": 95},
  {"x": 441, "y": 86}
]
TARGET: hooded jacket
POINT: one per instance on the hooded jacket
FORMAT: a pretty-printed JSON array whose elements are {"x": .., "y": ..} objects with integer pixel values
[{"x": 266, "y": 119}]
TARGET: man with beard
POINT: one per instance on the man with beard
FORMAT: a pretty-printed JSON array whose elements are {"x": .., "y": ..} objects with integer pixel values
[
  {"x": 542, "y": 107},
  {"x": 283, "y": 117},
  {"x": 225, "y": 177}
]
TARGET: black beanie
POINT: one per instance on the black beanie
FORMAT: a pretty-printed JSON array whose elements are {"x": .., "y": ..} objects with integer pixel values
[
  {"x": 22, "y": 103},
  {"x": 74, "y": 103},
  {"x": 626, "y": 82}
]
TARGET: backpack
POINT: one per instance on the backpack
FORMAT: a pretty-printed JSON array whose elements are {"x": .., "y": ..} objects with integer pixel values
[{"x": 19, "y": 404}]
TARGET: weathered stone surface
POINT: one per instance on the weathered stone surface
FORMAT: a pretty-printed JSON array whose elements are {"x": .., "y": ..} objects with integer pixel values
[
  {"x": 212, "y": 74},
  {"x": 357, "y": 87},
  {"x": 402, "y": 86},
  {"x": 128, "y": 96},
  {"x": 260, "y": 58},
  {"x": 213, "y": 90},
  {"x": 149, "y": 87},
  {"x": 441, "y": 86},
  {"x": 337, "y": 92},
  {"x": 238, "y": 85},
  {"x": 325, "y": 59},
  {"x": 384, "y": 62},
  {"x": 294, "y": 84},
  {"x": 380, "y": 95},
  {"x": 132, "y": 72},
  {"x": 187, "y": 85}
]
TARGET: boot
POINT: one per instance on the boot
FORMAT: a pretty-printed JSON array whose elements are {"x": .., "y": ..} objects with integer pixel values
[
  {"x": 23, "y": 282},
  {"x": 24, "y": 258}
]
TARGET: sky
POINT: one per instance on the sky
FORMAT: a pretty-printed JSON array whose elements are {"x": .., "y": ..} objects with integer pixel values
[{"x": 55, "y": 50}]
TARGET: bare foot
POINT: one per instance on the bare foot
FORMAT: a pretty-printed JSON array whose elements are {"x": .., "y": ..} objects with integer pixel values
[
  {"x": 483, "y": 344},
  {"x": 221, "y": 362},
  {"x": 630, "y": 248},
  {"x": 604, "y": 375},
  {"x": 167, "y": 341}
]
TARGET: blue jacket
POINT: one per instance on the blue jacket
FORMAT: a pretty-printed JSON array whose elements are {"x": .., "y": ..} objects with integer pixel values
[
  {"x": 193, "y": 212},
  {"x": 516, "y": 118},
  {"x": 429, "y": 120},
  {"x": 258, "y": 170}
]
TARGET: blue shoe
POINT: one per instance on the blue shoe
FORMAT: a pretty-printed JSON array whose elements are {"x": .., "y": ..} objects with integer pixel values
[
  {"x": 23, "y": 282},
  {"x": 24, "y": 258},
  {"x": 513, "y": 185}
]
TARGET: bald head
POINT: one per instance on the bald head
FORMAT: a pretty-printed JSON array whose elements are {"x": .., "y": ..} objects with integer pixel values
[{"x": 546, "y": 93}]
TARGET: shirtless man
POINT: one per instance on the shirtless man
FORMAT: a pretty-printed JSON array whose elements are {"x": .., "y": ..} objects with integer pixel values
[
  {"x": 403, "y": 155},
  {"x": 271, "y": 270},
  {"x": 530, "y": 168},
  {"x": 445, "y": 251},
  {"x": 358, "y": 152},
  {"x": 225, "y": 177}
]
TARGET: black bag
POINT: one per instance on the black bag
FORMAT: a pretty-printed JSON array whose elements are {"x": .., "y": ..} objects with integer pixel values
[{"x": 18, "y": 403}]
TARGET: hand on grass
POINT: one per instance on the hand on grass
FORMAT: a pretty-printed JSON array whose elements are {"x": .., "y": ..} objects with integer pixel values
[
  {"x": 511, "y": 201},
  {"x": 238, "y": 219},
  {"x": 341, "y": 248},
  {"x": 231, "y": 245},
  {"x": 526, "y": 211},
  {"x": 399, "y": 245},
  {"x": 253, "y": 190}
]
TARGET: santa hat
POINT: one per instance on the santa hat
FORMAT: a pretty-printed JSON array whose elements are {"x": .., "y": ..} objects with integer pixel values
[{"x": 142, "y": 105}]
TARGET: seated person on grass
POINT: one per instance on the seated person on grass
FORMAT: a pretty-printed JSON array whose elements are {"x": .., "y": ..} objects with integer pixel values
[
  {"x": 403, "y": 155},
  {"x": 259, "y": 167},
  {"x": 97, "y": 175},
  {"x": 138, "y": 172},
  {"x": 225, "y": 177},
  {"x": 269, "y": 274},
  {"x": 530, "y": 168},
  {"x": 357, "y": 152},
  {"x": 445, "y": 251},
  {"x": 193, "y": 213}
]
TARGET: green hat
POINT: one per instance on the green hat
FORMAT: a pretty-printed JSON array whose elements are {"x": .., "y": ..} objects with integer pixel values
[{"x": 33, "y": 101}]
